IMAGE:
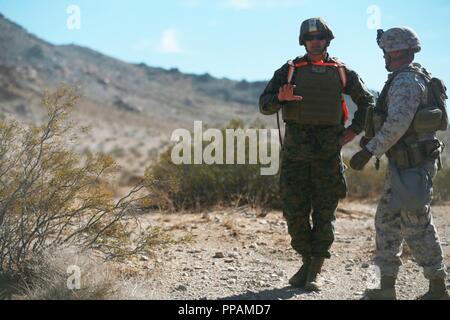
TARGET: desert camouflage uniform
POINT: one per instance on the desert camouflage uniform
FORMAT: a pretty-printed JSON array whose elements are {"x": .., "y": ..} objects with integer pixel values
[
  {"x": 393, "y": 225},
  {"x": 312, "y": 173}
]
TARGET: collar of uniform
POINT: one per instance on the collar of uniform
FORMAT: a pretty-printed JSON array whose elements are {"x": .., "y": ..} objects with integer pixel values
[
  {"x": 401, "y": 69},
  {"x": 306, "y": 58}
]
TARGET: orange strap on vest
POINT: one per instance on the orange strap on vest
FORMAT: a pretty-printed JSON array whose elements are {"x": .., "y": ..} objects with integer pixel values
[{"x": 340, "y": 68}]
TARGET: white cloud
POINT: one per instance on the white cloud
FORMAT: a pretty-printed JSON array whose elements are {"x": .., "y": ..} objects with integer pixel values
[{"x": 169, "y": 42}]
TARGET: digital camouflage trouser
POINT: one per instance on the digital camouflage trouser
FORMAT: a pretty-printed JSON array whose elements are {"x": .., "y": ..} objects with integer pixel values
[
  {"x": 415, "y": 226},
  {"x": 311, "y": 188}
]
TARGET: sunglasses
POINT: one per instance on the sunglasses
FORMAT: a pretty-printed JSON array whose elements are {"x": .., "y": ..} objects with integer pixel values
[{"x": 311, "y": 37}]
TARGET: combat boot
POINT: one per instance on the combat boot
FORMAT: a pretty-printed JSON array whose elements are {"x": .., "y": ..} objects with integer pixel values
[
  {"x": 312, "y": 281},
  {"x": 298, "y": 280},
  {"x": 386, "y": 292},
  {"x": 437, "y": 291}
]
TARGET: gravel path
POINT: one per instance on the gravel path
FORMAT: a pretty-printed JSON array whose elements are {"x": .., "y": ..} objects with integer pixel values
[{"x": 237, "y": 254}]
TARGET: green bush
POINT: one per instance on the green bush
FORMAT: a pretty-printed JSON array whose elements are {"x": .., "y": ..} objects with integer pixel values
[
  {"x": 367, "y": 183},
  {"x": 442, "y": 185},
  {"x": 182, "y": 187}
]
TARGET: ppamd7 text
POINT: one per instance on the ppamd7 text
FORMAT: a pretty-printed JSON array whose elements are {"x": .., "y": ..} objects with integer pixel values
[{"x": 245, "y": 309}]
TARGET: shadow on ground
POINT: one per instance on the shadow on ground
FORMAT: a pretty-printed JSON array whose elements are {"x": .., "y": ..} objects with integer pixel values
[{"x": 269, "y": 294}]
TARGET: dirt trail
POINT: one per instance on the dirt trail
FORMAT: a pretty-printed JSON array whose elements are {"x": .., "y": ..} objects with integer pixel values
[{"x": 239, "y": 255}]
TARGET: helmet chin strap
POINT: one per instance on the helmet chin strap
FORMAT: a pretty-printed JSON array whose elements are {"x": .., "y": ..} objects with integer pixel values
[{"x": 405, "y": 57}]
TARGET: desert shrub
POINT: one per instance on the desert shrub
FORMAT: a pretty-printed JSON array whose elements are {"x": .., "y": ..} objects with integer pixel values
[
  {"x": 442, "y": 185},
  {"x": 179, "y": 187},
  {"x": 198, "y": 186},
  {"x": 366, "y": 184},
  {"x": 51, "y": 197}
]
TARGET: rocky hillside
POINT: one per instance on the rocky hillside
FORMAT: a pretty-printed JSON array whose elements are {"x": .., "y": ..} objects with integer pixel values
[
  {"x": 131, "y": 108},
  {"x": 29, "y": 64}
]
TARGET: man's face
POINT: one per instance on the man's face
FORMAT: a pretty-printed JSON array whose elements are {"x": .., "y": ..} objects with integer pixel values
[
  {"x": 390, "y": 58},
  {"x": 316, "y": 42}
]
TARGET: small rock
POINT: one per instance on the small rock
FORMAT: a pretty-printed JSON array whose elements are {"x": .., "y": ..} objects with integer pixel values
[
  {"x": 144, "y": 258},
  {"x": 229, "y": 260},
  {"x": 231, "y": 269},
  {"x": 198, "y": 268},
  {"x": 181, "y": 288},
  {"x": 365, "y": 265},
  {"x": 253, "y": 246},
  {"x": 219, "y": 255}
]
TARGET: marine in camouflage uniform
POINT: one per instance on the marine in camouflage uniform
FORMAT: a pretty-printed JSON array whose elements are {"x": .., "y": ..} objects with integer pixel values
[
  {"x": 312, "y": 173},
  {"x": 404, "y": 211}
]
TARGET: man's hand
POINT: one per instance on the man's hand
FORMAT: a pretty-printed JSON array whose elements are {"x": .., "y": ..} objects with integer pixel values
[
  {"x": 348, "y": 136},
  {"x": 286, "y": 93},
  {"x": 359, "y": 160}
]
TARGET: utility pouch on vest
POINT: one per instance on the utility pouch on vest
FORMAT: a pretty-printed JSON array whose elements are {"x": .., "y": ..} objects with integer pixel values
[
  {"x": 408, "y": 155},
  {"x": 427, "y": 120},
  {"x": 439, "y": 93},
  {"x": 399, "y": 154}
]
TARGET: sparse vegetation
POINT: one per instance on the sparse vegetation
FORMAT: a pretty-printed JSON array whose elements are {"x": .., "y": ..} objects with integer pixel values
[
  {"x": 201, "y": 186},
  {"x": 50, "y": 197}
]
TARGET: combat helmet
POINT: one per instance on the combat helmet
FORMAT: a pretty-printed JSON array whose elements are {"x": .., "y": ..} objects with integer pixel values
[
  {"x": 397, "y": 39},
  {"x": 313, "y": 25}
]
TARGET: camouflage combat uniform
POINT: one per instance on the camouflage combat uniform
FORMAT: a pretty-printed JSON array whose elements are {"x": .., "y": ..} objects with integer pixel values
[
  {"x": 407, "y": 91},
  {"x": 312, "y": 173}
]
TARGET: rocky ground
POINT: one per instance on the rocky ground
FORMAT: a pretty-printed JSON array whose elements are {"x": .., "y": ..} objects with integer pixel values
[{"x": 241, "y": 254}]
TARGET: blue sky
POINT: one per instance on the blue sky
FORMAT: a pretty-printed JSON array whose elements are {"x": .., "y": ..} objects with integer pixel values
[{"x": 237, "y": 39}]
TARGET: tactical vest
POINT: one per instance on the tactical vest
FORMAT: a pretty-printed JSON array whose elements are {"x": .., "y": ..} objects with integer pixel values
[
  {"x": 321, "y": 85},
  {"x": 430, "y": 117}
]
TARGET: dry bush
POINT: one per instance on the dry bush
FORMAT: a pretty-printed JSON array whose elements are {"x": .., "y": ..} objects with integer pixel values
[
  {"x": 50, "y": 197},
  {"x": 366, "y": 184},
  {"x": 181, "y": 187},
  {"x": 51, "y": 277}
]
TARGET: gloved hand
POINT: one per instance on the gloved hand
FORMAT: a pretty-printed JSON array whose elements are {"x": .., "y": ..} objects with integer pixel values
[
  {"x": 364, "y": 141},
  {"x": 359, "y": 160}
]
